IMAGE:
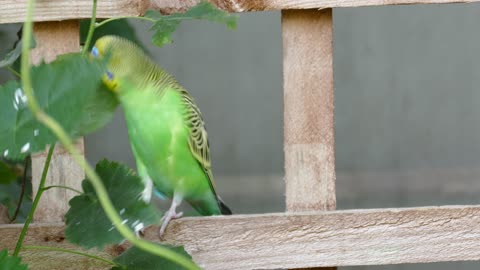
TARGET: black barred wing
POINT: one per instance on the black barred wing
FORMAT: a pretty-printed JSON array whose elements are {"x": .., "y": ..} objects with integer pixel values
[{"x": 198, "y": 139}]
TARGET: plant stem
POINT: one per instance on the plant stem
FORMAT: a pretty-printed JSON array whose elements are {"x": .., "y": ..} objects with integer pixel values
[
  {"x": 64, "y": 187},
  {"x": 22, "y": 192},
  {"x": 96, "y": 182},
  {"x": 25, "y": 58},
  {"x": 91, "y": 28},
  {"x": 105, "y": 201},
  {"x": 35, "y": 201},
  {"x": 13, "y": 71},
  {"x": 100, "y": 24},
  {"x": 72, "y": 252},
  {"x": 165, "y": 18}
]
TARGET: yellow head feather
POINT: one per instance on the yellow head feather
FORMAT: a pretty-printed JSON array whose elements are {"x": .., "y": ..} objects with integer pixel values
[{"x": 127, "y": 63}]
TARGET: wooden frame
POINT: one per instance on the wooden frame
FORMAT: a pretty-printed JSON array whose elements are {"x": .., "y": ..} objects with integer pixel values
[
  {"x": 305, "y": 236},
  {"x": 309, "y": 239},
  {"x": 14, "y": 11}
]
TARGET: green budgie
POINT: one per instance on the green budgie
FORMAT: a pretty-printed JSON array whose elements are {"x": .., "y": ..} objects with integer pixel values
[{"x": 165, "y": 127}]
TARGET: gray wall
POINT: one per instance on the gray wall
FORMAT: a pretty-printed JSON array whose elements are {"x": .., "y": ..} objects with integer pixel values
[{"x": 407, "y": 81}]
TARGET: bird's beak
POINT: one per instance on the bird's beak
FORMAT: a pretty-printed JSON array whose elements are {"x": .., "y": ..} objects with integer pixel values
[{"x": 109, "y": 81}]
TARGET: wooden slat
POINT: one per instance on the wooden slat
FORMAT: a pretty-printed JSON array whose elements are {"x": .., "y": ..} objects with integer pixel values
[
  {"x": 63, "y": 171},
  {"x": 308, "y": 100},
  {"x": 341, "y": 238},
  {"x": 273, "y": 241},
  {"x": 55, "y": 38},
  {"x": 308, "y": 112},
  {"x": 51, "y": 235},
  {"x": 14, "y": 11}
]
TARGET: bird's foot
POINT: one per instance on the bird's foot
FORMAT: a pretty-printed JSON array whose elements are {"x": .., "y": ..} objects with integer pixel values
[
  {"x": 169, "y": 215},
  {"x": 140, "y": 233}
]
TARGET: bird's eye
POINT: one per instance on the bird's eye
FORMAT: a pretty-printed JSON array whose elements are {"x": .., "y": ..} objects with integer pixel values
[
  {"x": 95, "y": 51},
  {"x": 109, "y": 75}
]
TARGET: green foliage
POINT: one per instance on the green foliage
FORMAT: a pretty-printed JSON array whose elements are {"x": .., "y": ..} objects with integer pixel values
[
  {"x": 7, "y": 175},
  {"x": 15, "y": 176},
  {"x": 121, "y": 28},
  {"x": 10, "y": 190},
  {"x": 164, "y": 26},
  {"x": 9, "y": 197},
  {"x": 71, "y": 88},
  {"x": 87, "y": 224},
  {"x": 11, "y": 262},
  {"x": 2, "y": 33},
  {"x": 137, "y": 259},
  {"x": 13, "y": 55},
  {"x": 98, "y": 111}
]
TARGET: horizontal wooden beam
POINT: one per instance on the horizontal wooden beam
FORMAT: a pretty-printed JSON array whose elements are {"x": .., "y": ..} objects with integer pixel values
[
  {"x": 301, "y": 240},
  {"x": 14, "y": 11},
  {"x": 58, "y": 10},
  {"x": 51, "y": 235}
]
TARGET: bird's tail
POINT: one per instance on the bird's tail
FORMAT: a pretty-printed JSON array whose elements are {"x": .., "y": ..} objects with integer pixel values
[{"x": 223, "y": 207}]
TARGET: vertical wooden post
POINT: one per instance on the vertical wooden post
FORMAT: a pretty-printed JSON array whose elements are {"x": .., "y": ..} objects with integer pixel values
[
  {"x": 309, "y": 110},
  {"x": 53, "y": 39}
]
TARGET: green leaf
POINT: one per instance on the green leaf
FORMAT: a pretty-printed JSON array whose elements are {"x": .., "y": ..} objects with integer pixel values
[
  {"x": 7, "y": 176},
  {"x": 11, "y": 262},
  {"x": 137, "y": 259},
  {"x": 10, "y": 194},
  {"x": 3, "y": 33},
  {"x": 87, "y": 224},
  {"x": 64, "y": 89},
  {"x": 13, "y": 55},
  {"x": 164, "y": 26},
  {"x": 98, "y": 111},
  {"x": 121, "y": 28}
]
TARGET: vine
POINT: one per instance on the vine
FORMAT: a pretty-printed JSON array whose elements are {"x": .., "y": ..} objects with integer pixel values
[{"x": 60, "y": 128}]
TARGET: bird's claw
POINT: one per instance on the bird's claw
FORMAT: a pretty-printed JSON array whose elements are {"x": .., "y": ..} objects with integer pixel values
[
  {"x": 140, "y": 233},
  {"x": 169, "y": 215}
]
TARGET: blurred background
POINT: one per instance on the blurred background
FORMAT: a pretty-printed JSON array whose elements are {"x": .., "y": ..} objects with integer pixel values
[{"x": 406, "y": 107}]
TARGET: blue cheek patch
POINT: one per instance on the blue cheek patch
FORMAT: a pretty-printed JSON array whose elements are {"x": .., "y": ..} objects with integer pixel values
[
  {"x": 109, "y": 75},
  {"x": 95, "y": 51}
]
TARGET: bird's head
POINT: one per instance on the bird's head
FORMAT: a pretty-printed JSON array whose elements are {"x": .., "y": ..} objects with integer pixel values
[
  {"x": 127, "y": 63},
  {"x": 122, "y": 56}
]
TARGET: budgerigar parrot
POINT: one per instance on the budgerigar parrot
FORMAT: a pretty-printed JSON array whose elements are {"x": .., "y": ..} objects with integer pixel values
[{"x": 165, "y": 128}]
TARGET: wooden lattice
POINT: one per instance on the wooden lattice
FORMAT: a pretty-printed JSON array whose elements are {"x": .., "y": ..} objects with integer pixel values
[{"x": 306, "y": 235}]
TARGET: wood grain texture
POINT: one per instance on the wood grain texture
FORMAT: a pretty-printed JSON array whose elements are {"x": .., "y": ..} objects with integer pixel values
[
  {"x": 57, "y": 10},
  {"x": 297, "y": 240},
  {"x": 56, "y": 38},
  {"x": 308, "y": 100},
  {"x": 51, "y": 235},
  {"x": 308, "y": 109},
  {"x": 324, "y": 239},
  {"x": 63, "y": 171},
  {"x": 14, "y": 11}
]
